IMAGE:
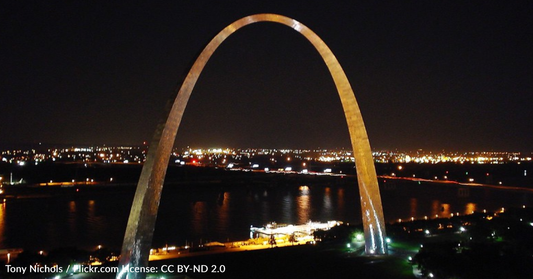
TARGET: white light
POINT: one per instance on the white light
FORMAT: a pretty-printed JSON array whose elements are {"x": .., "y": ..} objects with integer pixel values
[
  {"x": 267, "y": 169},
  {"x": 288, "y": 169},
  {"x": 327, "y": 170},
  {"x": 388, "y": 240},
  {"x": 462, "y": 229},
  {"x": 305, "y": 171},
  {"x": 348, "y": 245},
  {"x": 431, "y": 275},
  {"x": 255, "y": 166},
  {"x": 427, "y": 231}
]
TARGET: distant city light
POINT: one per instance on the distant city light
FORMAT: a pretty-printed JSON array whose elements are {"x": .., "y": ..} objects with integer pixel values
[{"x": 126, "y": 154}]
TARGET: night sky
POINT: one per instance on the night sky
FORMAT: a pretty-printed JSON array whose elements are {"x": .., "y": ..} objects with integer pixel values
[{"x": 435, "y": 75}]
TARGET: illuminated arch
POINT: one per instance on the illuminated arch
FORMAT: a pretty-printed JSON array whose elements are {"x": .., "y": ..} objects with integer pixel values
[{"x": 139, "y": 231}]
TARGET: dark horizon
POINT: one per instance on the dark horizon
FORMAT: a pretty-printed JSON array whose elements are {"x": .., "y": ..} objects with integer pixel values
[{"x": 434, "y": 75}]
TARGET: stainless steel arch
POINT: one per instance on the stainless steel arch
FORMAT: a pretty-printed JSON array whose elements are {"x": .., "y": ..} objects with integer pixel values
[{"x": 139, "y": 231}]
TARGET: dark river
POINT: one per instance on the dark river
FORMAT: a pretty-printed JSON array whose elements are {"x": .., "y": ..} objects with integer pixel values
[{"x": 197, "y": 213}]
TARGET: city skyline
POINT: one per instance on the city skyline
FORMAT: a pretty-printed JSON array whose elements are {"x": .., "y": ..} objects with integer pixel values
[
  {"x": 435, "y": 76},
  {"x": 208, "y": 156}
]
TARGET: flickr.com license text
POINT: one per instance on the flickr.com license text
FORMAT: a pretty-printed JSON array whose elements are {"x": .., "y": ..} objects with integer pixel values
[{"x": 170, "y": 268}]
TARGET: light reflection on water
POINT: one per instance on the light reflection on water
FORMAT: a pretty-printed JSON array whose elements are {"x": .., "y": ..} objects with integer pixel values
[
  {"x": 470, "y": 208},
  {"x": 303, "y": 207},
  {"x": 2, "y": 222},
  {"x": 72, "y": 217},
  {"x": 414, "y": 206},
  {"x": 327, "y": 206},
  {"x": 287, "y": 206},
  {"x": 223, "y": 216},
  {"x": 218, "y": 214},
  {"x": 445, "y": 210},
  {"x": 199, "y": 218}
]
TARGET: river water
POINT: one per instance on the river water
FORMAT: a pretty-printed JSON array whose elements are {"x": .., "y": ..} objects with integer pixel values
[{"x": 199, "y": 214}]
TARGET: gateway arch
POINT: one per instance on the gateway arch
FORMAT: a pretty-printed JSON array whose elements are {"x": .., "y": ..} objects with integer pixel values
[{"x": 140, "y": 228}]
